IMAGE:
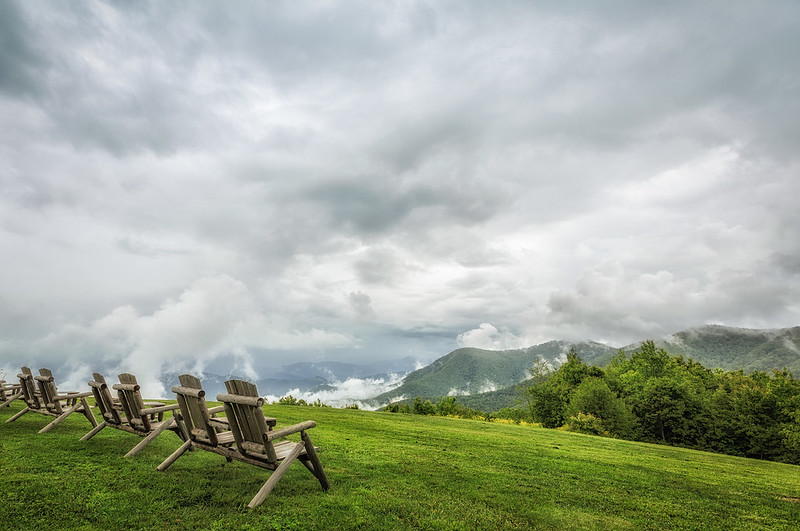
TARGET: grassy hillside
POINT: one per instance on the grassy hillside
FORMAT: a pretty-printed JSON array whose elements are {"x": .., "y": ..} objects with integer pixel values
[
  {"x": 390, "y": 471},
  {"x": 474, "y": 370}
]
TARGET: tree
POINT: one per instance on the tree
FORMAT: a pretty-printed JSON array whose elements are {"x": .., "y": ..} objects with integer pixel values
[
  {"x": 548, "y": 392},
  {"x": 660, "y": 407},
  {"x": 423, "y": 408},
  {"x": 594, "y": 397},
  {"x": 539, "y": 400},
  {"x": 397, "y": 407},
  {"x": 547, "y": 404},
  {"x": 572, "y": 372},
  {"x": 662, "y": 393},
  {"x": 447, "y": 406}
]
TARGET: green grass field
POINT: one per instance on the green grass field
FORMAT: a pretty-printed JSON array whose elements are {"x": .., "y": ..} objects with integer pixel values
[{"x": 388, "y": 471}]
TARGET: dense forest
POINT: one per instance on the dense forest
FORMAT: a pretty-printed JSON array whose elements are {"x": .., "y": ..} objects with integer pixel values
[{"x": 649, "y": 395}]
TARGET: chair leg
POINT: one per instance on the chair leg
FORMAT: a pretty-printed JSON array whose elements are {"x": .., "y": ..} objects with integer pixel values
[
  {"x": 307, "y": 463},
  {"x": 262, "y": 494},
  {"x": 58, "y": 420},
  {"x": 184, "y": 431},
  {"x": 152, "y": 435},
  {"x": 18, "y": 414},
  {"x": 87, "y": 411},
  {"x": 94, "y": 431},
  {"x": 175, "y": 455},
  {"x": 318, "y": 471}
]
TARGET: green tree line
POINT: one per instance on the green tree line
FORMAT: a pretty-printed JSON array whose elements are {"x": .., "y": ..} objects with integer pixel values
[
  {"x": 446, "y": 407},
  {"x": 652, "y": 396}
]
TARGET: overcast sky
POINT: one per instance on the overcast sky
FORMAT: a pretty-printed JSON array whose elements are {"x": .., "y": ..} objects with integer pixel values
[{"x": 184, "y": 182}]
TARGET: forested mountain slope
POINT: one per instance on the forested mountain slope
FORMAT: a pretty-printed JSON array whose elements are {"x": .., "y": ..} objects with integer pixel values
[
  {"x": 737, "y": 348},
  {"x": 468, "y": 371}
]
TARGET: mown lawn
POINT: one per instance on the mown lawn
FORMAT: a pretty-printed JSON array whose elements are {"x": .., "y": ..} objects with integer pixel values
[{"x": 388, "y": 471}]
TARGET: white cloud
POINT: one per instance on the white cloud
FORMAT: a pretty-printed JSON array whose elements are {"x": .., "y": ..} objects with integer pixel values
[
  {"x": 348, "y": 392},
  {"x": 215, "y": 316},
  {"x": 488, "y": 337}
]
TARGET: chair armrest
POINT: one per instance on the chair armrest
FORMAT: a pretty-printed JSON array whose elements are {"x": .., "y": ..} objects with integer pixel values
[
  {"x": 73, "y": 395},
  {"x": 283, "y": 432},
  {"x": 220, "y": 423},
  {"x": 160, "y": 409},
  {"x": 218, "y": 409}
]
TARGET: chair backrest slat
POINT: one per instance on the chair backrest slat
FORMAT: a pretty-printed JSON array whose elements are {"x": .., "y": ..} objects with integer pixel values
[
  {"x": 192, "y": 402},
  {"x": 103, "y": 399},
  {"x": 243, "y": 423},
  {"x": 245, "y": 417},
  {"x": 6, "y": 388},
  {"x": 29, "y": 388},
  {"x": 48, "y": 391},
  {"x": 130, "y": 399}
]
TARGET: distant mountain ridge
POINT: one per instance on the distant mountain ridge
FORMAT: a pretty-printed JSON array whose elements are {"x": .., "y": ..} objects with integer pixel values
[
  {"x": 488, "y": 377},
  {"x": 337, "y": 370},
  {"x": 731, "y": 348},
  {"x": 303, "y": 377},
  {"x": 468, "y": 371}
]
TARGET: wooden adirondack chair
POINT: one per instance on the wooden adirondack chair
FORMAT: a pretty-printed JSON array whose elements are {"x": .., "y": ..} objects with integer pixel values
[
  {"x": 48, "y": 401},
  {"x": 245, "y": 434},
  {"x": 27, "y": 392},
  {"x": 9, "y": 393},
  {"x": 130, "y": 413}
]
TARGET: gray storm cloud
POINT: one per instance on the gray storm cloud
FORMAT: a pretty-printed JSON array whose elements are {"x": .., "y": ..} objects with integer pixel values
[{"x": 187, "y": 182}]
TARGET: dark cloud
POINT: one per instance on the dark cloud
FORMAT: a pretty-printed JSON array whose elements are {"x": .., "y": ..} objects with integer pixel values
[
  {"x": 362, "y": 305},
  {"x": 788, "y": 263},
  {"x": 380, "y": 266},
  {"x": 22, "y": 60}
]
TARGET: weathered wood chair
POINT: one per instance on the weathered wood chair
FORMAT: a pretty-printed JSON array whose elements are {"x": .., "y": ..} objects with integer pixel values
[
  {"x": 27, "y": 390},
  {"x": 245, "y": 434},
  {"x": 129, "y": 412},
  {"x": 9, "y": 393},
  {"x": 48, "y": 401}
]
